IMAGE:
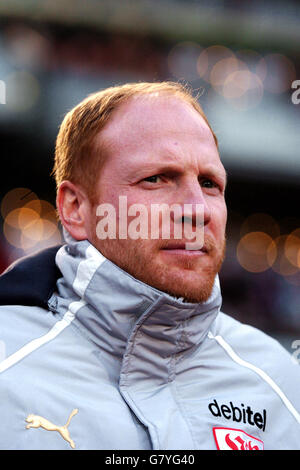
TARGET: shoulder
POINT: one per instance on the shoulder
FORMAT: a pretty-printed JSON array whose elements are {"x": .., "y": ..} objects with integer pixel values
[
  {"x": 250, "y": 341},
  {"x": 259, "y": 352},
  {"x": 21, "y": 324},
  {"x": 25, "y": 290},
  {"x": 30, "y": 280}
]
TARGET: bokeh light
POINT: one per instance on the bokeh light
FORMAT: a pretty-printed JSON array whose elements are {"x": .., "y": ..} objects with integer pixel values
[
  {"x": 244, "y": 89},
  {"x": 260, "y": 222},
  {"x": 222, "y": 70},
  {"x": 292, "y": 248},
  {"x": 283, "y": 265},
  {"x": 22, "y": 91},
  {"x": 277, "y": 72},
  {"x": 241, "y": 77},
  {"x": 230, "y": 75},
  {"x": 250, "y": 57},
  {"x": 182, "y": 60},
  {"x": 17, "y": 197},
  {"x": 29, "y": 222},
  {"x": 209, "y": 57},
  {"x": 16, "y": 222},
  {"x": 262, "y": 245},
  {"x": 256, "y": 252},
  {"x": 27, "y": 47},
  {"x": 44, "y": 209}
]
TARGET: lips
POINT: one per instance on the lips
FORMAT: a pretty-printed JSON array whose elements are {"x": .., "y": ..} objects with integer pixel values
[{"x": 182, "y": 246}]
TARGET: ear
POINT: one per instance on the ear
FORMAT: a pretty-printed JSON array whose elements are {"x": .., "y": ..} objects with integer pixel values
[{"x": 73, "y": 207}]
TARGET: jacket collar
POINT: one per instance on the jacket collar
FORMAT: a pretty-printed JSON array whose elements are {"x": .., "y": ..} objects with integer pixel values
[{"x": 117, "y": 304}]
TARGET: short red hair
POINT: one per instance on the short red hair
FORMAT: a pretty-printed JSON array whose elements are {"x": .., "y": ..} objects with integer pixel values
[{"x": 77, "y": 158}]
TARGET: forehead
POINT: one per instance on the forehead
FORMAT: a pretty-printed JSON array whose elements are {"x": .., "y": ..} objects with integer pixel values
[
  {"x": 146, "y": 125},
  {"x": 146, "y": 114}
]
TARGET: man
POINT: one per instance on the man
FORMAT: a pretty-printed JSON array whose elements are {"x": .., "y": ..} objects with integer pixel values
[{"x": 115, "y": 341}]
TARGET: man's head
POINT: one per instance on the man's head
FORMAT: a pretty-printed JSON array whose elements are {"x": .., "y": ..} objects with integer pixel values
[{"x": 148, "y": 144}]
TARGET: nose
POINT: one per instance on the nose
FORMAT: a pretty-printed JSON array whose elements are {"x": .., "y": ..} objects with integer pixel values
[{"x": 195, "y": 209}]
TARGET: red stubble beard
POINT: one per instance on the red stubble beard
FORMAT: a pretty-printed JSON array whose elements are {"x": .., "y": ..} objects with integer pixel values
[{"x": 190, "y": 278}]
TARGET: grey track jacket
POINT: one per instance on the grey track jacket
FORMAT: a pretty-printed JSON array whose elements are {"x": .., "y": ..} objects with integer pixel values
[{"x": 113, "y": 363}]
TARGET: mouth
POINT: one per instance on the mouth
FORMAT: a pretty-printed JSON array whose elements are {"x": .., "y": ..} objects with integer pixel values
[{"x": 181, "y": 249}]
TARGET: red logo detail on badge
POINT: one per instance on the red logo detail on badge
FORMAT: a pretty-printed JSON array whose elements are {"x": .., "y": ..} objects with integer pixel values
[{"x": 236, "y": 439}]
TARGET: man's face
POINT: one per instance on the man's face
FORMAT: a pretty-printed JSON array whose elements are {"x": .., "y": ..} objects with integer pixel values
[{"x": 161, "y": 151}]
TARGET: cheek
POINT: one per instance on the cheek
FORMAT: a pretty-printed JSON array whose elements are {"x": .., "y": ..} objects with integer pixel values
[
  {"x": 224, "y": 215},
  {"x": 219, "y": 218},
  {"x": 127, "y": 207}
]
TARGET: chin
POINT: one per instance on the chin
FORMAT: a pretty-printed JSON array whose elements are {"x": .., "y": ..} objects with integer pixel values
[
  {"x": 193, "y": 287},
  {"x": 191, "y": 292}
]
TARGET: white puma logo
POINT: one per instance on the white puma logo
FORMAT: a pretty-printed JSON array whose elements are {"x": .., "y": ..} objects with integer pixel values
[{"x": 38, "y": 421}]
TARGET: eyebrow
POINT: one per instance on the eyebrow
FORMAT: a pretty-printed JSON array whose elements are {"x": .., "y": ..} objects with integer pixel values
[
  {"x": 175, "y": 168},
  {"x": 154, "y": 168},
  {"x": 215, "y": 172}
]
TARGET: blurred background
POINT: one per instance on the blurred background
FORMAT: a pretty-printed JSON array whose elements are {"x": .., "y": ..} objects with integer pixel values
[{"x": 241, "y": 57}]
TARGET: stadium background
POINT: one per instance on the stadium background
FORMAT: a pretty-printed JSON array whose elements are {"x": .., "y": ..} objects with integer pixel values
[{"x": 243, "y": 58}]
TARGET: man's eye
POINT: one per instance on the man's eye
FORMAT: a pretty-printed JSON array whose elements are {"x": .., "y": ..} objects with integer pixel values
[
  {"x": 208, "y": 184},
  {"x": 153, "y": 179}
]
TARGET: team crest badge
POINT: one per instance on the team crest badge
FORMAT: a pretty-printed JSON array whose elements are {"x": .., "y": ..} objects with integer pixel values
[{"x": 236, "y": 439}]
